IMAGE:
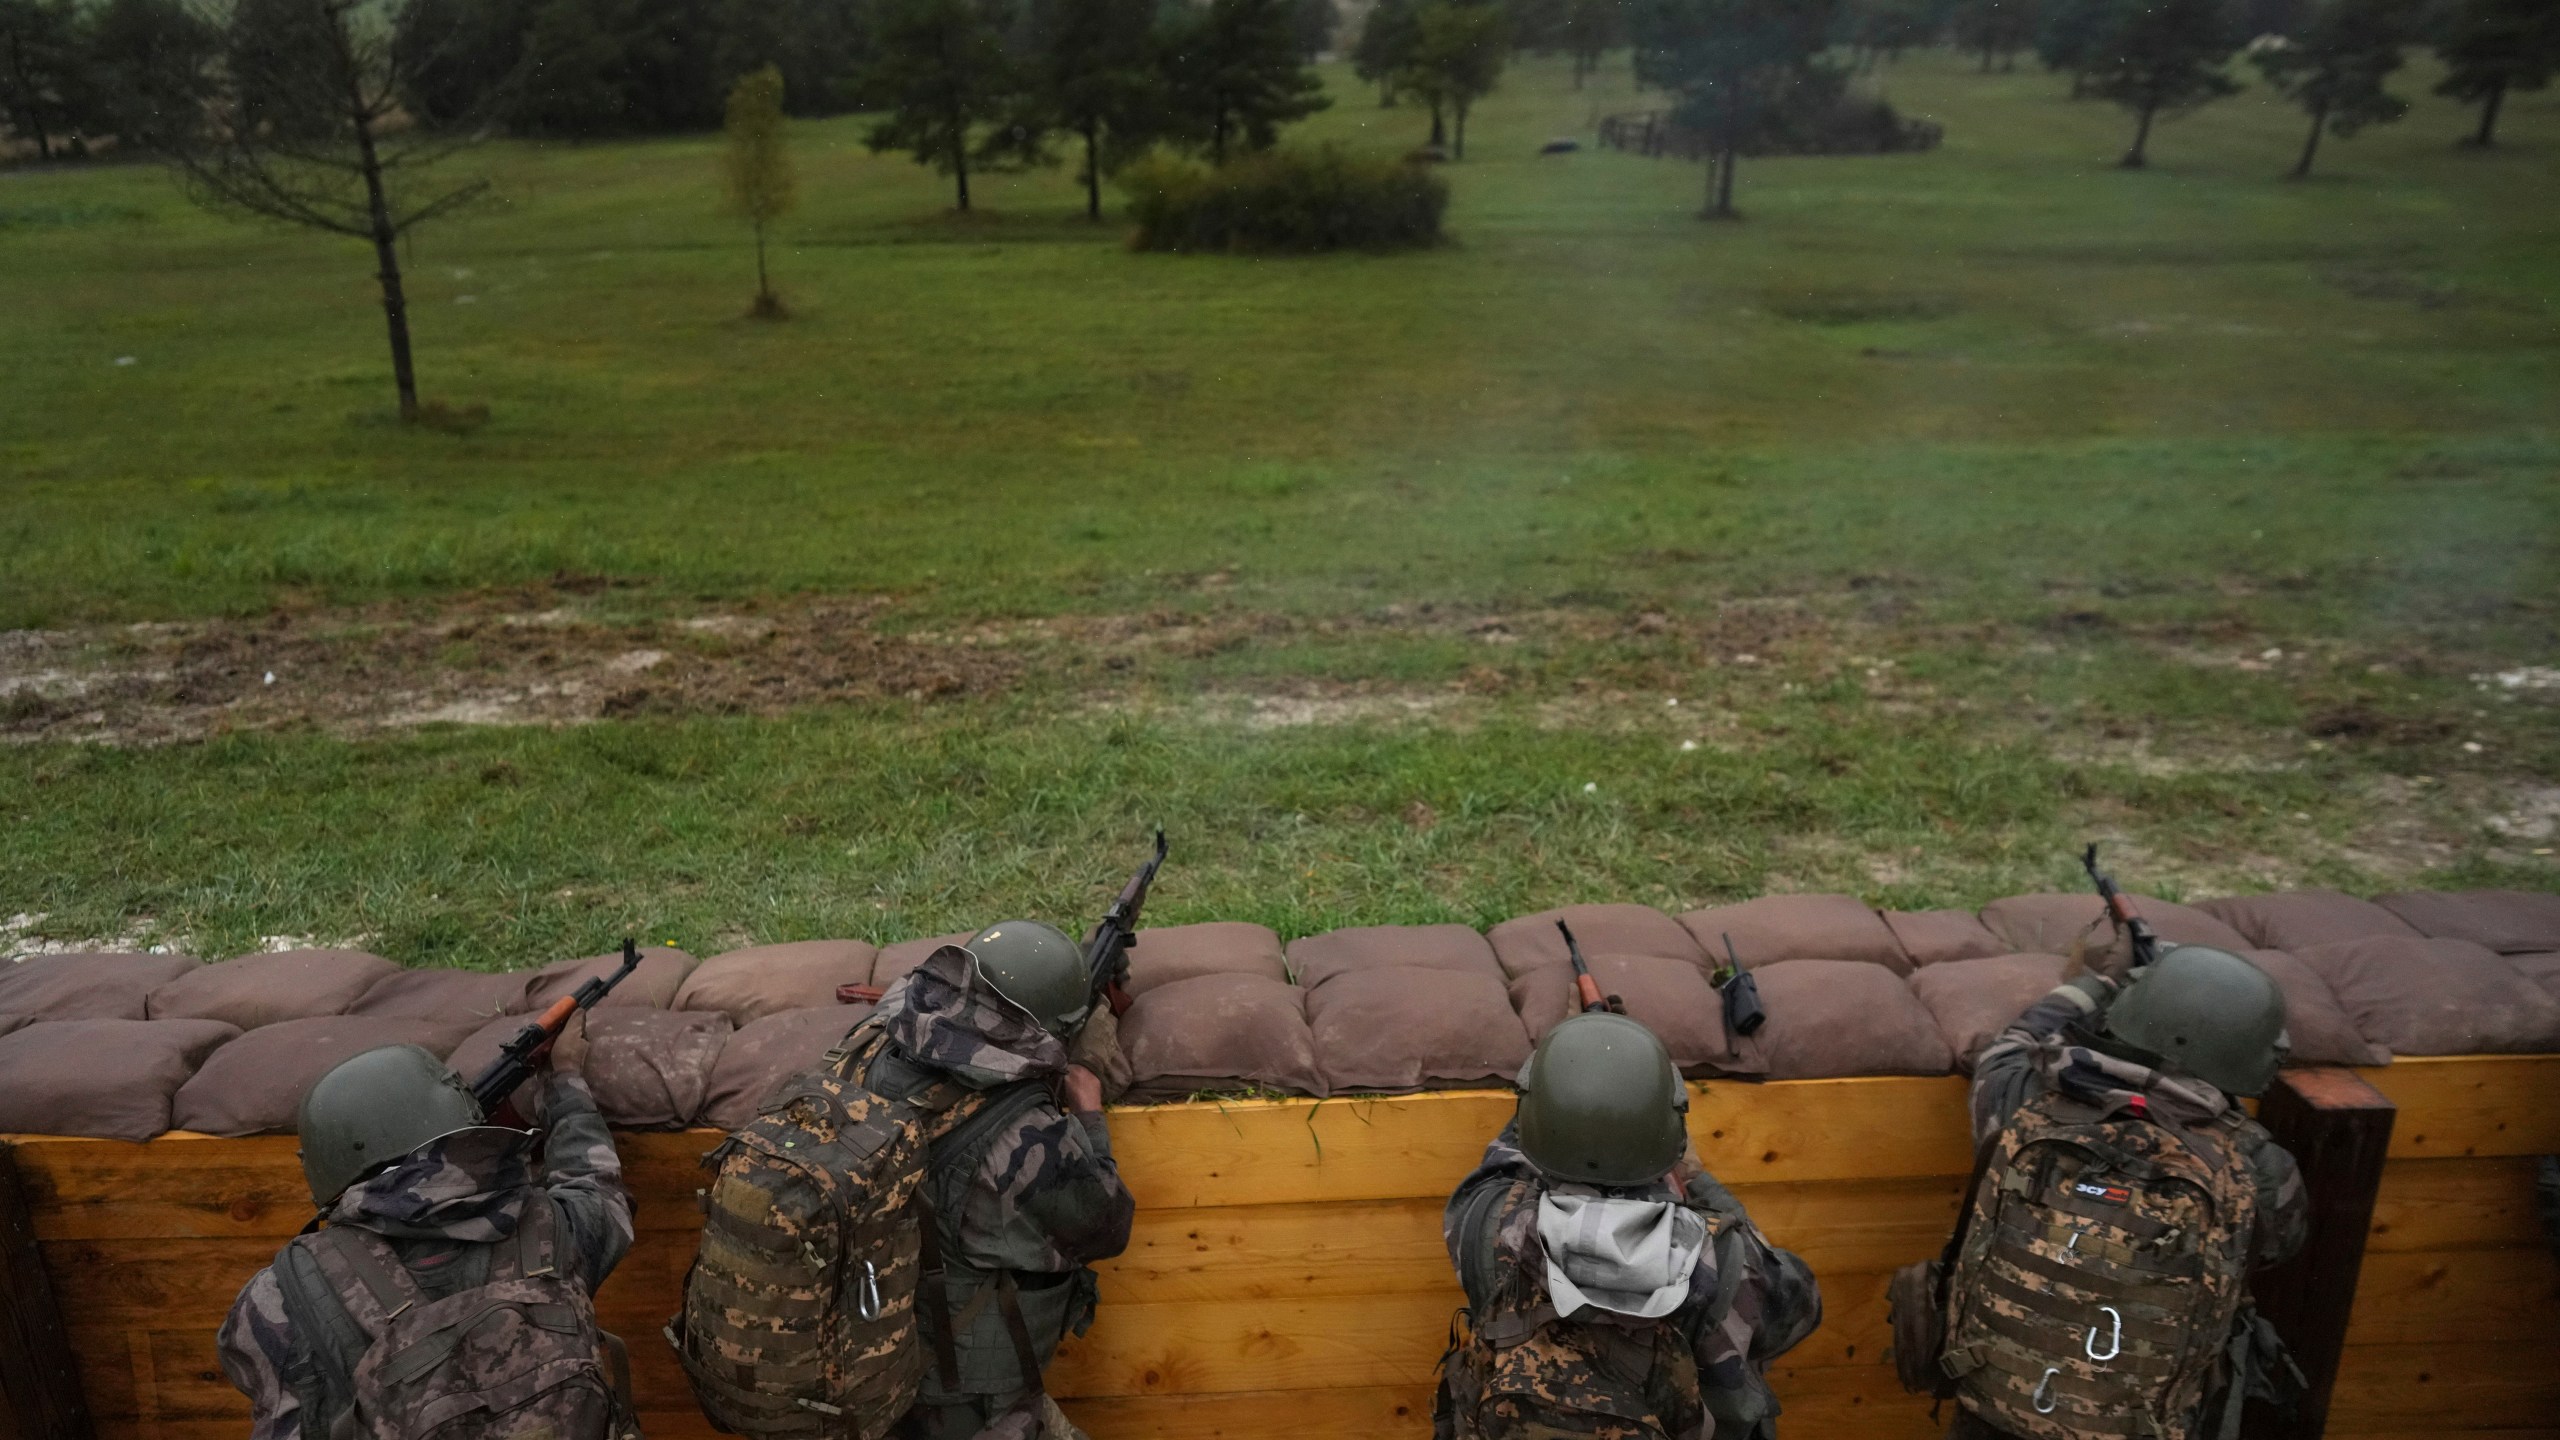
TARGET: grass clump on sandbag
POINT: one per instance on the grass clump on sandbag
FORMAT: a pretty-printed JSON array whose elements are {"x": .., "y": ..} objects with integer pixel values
[{"x": 1284, "y": 200}]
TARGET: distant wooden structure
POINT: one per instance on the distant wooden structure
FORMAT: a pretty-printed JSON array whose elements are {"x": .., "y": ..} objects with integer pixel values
[
  {"x": 1654, "y": 134},
  {"x": 1287, "y": 1277}
]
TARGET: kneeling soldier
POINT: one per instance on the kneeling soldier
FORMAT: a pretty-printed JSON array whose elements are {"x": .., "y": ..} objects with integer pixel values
[
  {"x": 1615, "y": 1289},
  {"x": 452, "y": 1288},
  {"x": 2098, "y": 1284}
]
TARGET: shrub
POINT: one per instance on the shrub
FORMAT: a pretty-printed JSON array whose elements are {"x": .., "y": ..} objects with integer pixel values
[{"x": 1302, "y": 200}]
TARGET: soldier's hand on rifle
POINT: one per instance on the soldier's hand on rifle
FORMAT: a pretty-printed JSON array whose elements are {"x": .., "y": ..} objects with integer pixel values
[
  {"x": 568, "y": 1055},
  {"x": 1084, "y": 1090}
]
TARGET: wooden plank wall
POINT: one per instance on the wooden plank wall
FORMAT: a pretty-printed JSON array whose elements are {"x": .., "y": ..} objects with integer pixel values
[{"x": 1287, "y": 1278}]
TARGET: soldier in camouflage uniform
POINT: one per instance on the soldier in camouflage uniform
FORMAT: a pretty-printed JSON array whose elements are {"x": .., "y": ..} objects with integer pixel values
[
  {"x": 1024, "y": 1193},
  {"x": 1614, "y": 1287},
  {"x": 448, "y": 1192},
  {"x": 2228, "y": 1024}
]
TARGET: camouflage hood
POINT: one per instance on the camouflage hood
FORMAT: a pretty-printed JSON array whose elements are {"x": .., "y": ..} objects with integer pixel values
[
  {"x": 945, "y": 1016},
  {"x": 470, "y": 1186},
  {"x": 2113, "y": 1083}
]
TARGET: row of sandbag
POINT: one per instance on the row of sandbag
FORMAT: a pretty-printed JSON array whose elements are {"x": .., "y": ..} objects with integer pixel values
[{"x": 127, "y": 1046}]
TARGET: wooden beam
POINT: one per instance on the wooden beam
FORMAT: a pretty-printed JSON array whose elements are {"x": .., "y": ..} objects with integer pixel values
[
  {"x": 40, "y": 1394},
  {"x": 2338, "y": 1129},
  {"x": 2472, "y": 1105}
]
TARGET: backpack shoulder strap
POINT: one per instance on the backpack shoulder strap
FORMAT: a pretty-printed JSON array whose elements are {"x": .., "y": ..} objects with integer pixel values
[
  {"x": 534, "y": 1250},
  {"x": 366, "y": 1276}
]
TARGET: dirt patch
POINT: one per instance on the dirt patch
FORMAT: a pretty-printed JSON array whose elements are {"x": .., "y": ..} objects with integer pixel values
[{"x": 474, "y": 663}]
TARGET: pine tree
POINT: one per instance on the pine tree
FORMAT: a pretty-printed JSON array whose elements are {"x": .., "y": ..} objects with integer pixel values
[
  {"x": 2070, "y": 36},
  {"x": 2162, "y": 57},
  {"x": 1729, "y": 62},
  {"x": 1314, "y": 22},
  {"x": 147, "y": 55},
  {"x": 44, "y": 78},
  {"x": 1457, "y": 61},
  {"x": 329, "y": 150},
  {"x": 955, "y": 97},
  {"x": 1386, "y": 44},
  {"x": 1996, "y": 30},
  {"x": 756, "y": 169},
  {"x": 1096, "y": 80},
  {"x": 1592, "y": 28},
  {"x": 2335, "y": 67},
  {"x": 1235, "y": 76},
  {"x": 2490, "y": 47}
]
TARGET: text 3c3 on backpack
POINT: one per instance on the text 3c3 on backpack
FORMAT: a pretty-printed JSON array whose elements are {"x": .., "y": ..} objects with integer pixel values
[
  {"x": 1519, "y": 1370},
  {"x": 800, "y": 1312},
  {"x": 2103, "y": 1265},
  {"x": 516, "y": 1354}
]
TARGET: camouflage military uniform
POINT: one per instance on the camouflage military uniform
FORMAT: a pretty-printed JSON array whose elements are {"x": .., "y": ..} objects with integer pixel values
[
  {"x": 1022, "y": 1191},
  {"x": 441, "y": 1208},
  {"x": 1490, "y": 1227},
  {"x": 2024, "y": 1060}
]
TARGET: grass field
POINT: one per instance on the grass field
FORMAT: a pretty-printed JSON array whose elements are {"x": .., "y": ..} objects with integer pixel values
[{"x": 1970, "y": 504}]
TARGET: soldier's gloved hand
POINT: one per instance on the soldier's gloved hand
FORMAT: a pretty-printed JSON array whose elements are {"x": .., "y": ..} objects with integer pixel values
[
  {"x": 1097, "y": 1048},
  {"x": 568, "y": 1054}
]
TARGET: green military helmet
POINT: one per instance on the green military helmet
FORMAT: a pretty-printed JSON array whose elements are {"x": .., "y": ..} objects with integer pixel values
[
  {"x": 2209, "y": 1013},
  {"x": 1602, "y": 1104},
  {"x": 373, "y": 1108},
  {"x": 1036, "y": 967}
]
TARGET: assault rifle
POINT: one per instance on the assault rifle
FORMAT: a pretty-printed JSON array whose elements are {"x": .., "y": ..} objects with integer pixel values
[
  {"x": 1106, "y": 950},
  {"x": 2145, "y": 941},
  {"x": 521, "y": 1056},
  {"x": 1584, "y": 986},
  {"x": 1743, "y": 1012}
]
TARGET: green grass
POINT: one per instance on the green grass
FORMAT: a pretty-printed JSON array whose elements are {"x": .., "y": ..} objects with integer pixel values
[{"x": 2044, "y": 431}]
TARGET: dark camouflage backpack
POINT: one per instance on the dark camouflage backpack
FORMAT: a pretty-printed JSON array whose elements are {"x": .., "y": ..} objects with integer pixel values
[
  {"x": 2102, "y": 1267},
  {"x": 515, "y": 1356},
  {"x": 800, "y": 1312},
  {"x": 1519, "y": 1371}
]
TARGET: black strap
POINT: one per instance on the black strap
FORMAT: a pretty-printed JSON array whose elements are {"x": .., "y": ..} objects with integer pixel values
[
  {"x": 1009, "y": 1296},
  {"x": 933, "y": 1299}
]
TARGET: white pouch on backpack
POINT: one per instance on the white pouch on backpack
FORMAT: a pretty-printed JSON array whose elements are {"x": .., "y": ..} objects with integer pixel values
[{"x": 1632, "y": 1257}]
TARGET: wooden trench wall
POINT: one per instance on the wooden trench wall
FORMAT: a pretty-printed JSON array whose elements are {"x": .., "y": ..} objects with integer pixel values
[{"x": 1287, "y": 1276}]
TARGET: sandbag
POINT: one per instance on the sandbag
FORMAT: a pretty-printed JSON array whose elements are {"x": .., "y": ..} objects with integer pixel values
[
  {"x": 1843, "y": 1017},
  {"x": 87, "y": 986},
  {"x": 2511, "y": 922},
  {"x": 2292, "y": 920},
  {"x": 15, "y": 1022},
  {"x": 1393, "y": 1028},
  {"x": 1671, "y": 997},
  {"x": 1934, "y": 937},
  {"x": 1796, "y": 927},
  {"x": 1220, "y": 947},
  {"x": 440, "y": 994},
  {"x": 1319, "y": 958},
  {"x": 255, "y": 1084},
  {"x": 111, "y": 1079},
  {"x": 896, "y": 962},
  {"x": 1214, "y": 1034},
  {"x": 762, "y": 1054},
  {"x": 2048, "y": 924},
  {"x": 651, "y": 1069},
  {"x": 2543, "y": 970},
  {"x": 2437, "y": 997},
  {"x": 2321, "y": 1030},
  {"x": 748, "y": 985},
  {"x": 1531, "y": 943},
  {"x": 1972, "y": 1001},
  {"x": 255, "y": 990},
  {"x": 651, "y": 987}
]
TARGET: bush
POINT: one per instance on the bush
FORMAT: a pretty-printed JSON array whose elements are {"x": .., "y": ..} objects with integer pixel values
[{"x": 1302, "y": 200}]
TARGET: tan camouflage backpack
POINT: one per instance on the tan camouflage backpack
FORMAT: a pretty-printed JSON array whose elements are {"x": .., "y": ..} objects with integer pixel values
[
  {"x": 2101, "y": 1268},
  {"x": 1521, "y": 1372},
  {"x": 800, "y": 1311},
  {"x": 514, "y": 1357}
]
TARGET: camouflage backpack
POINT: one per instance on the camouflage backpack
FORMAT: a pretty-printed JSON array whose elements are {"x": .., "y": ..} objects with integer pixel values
[
  {"x": 1519, "y": 1371},
  {"x": 800, "y": 1312},
  {"x": 514, "y": 1355},
  {"x": 2102, "y": 1268}
]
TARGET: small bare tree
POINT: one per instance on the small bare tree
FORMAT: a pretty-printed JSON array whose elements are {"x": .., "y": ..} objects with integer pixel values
[
  {"x": 299, "y": 119},
  {"x": 757, "y": 169}
]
